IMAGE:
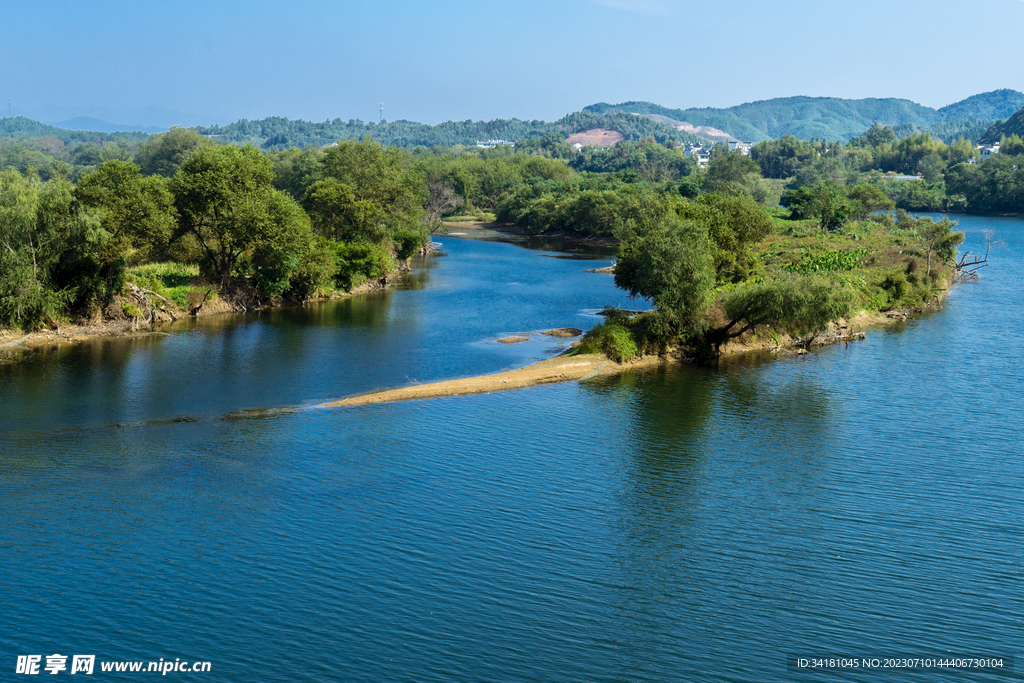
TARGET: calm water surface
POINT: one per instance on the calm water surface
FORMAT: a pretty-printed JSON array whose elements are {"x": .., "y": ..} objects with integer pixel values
[{"x": 183, "y": 496}]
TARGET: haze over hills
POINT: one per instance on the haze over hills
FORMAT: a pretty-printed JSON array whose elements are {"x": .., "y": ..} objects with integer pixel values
[
  {"x": 88, "y": 123},
  {"x": 801, "y": 117},
  {"x": 830, "y": 118},
  {"x": 138, "y": 118}
]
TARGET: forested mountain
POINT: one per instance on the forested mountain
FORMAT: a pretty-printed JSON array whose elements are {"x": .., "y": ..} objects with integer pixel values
[
  {"x": 278, "y": 133},
  {"x": 1012, "y": 126},
  {"x": 950, "y": 132},
  {"x": 997, "y": 104},
  {"x": 829, "y": 118},
  {"x": 21, "y": 127}
]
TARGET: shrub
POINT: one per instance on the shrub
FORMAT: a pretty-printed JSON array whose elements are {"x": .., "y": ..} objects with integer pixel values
[
  {"x": 316, "y": 271},
  {"x": 358, "y": 262},
  {"x": 613, "y": 340}
]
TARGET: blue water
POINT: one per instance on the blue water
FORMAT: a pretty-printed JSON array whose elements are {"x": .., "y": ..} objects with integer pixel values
[{"x": 683, "y": 523}]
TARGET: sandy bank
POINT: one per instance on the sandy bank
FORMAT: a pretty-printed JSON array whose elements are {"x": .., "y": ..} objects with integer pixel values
[
  {"x": 568, "y": 368},
  {"x": 558, "y": 369}
]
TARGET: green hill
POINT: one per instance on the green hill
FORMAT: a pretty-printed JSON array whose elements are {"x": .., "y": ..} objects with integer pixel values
[
  {"x": 831, "y": 118},
  {"x": 998, "y": 104},
  {"x": 278, "y": 132},
  {"x": 21, "y": 127},
  {"x": 1012, "y": 126}
]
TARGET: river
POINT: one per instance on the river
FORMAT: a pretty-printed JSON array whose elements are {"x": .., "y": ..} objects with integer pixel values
[{"x": 183, "y": 497}]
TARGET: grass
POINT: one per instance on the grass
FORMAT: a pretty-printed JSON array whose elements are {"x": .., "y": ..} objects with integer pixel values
[
  {"x": 481, "y": 216},
  {"x": 169, "y": 279},
  {"x": 882, "y": 262}
]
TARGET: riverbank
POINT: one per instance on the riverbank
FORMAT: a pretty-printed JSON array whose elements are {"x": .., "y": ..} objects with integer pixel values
[{"x": 16, "y": 342}]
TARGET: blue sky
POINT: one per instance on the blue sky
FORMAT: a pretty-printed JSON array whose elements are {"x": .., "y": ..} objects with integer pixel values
[{"x": 456, "y": 59}]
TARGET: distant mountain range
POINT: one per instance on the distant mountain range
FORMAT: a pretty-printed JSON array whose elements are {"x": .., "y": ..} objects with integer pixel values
[
  {"x": 830, "y": 118},
  {"x": 22, "y": 127},
  {"x": 827, "y": 118},
  {"x": 279, "y": 133},
  {"x": 90, "y": 124}
]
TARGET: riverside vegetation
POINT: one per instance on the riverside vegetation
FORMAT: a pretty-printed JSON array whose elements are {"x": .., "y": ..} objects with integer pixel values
[{"x": 166, "y": 227}]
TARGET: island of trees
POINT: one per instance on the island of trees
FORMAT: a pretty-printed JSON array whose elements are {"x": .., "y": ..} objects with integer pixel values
[{"x": 780, "y": 242}]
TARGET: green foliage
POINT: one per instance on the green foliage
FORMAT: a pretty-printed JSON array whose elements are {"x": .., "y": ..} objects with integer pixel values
[
  {"x": 731, "y": 171},
  {"x": 1014, "y": 125},
  {"x": 295, "y": 170},
  {"x": 733, "y": 223},
  {"x": 136, "y": 213},
  {"x": 1011, "y": 146},
  {"x": 613, "y": 340},
  {"x": 169, "y": 279},
  {"x": 782, "y": 158},
  {"x": 484, "y": 179},
  {"x": 226, "y": 201},
  {"x": 826, "y": 202},
  {"x": 584, "y": 205},
  {"x": 827, "y": 262},
  {"x": 796, "y": 305},
  {"x": 317, "y": 270},
  {"x": 45, "y": 268},
  {"x": 357, "y": 263},
  {"x": 551, "y": 146},
  {"x": 369, "y": 193},
  {"x": 916, "y": 195},
  {"x": 130, "y": 310},
  {"x": 280, "y": 133},
  {"x": 281, "y": 240},
  {"x": 828, "y": 118},
  {"x": 866, "y": 199},
  {"x": 648, "y": 159},
  {"x": 163, "y": 154},
  {"x": 669, "y": 262},
  {"x": 21, "y": 127}
]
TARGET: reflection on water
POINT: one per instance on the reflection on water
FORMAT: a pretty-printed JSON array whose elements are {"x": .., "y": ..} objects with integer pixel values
[{"x": 180, "y": 496}]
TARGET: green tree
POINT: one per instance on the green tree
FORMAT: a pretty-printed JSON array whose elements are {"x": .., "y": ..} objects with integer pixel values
[
  {"x": 732, "y": 171},
  {"x": 371, "y": 191},
  {"x": 734, "y": 223},
  {"x": 163, "y": 154},
  {"x": 136, "y": 212},
  {"x": 827, "y": 202},
  {"x": 1011, "y": 145},
  {"x": 878, "y": 135},
  {"x": 800, "y": 306},
  {"x": 670, "y": 263},
  {"x": 866, "y": 199},
  {"x": 961, "y": 152},
  {"x": 41, "y": 226},
  {"x": 225, "y": 199}
]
